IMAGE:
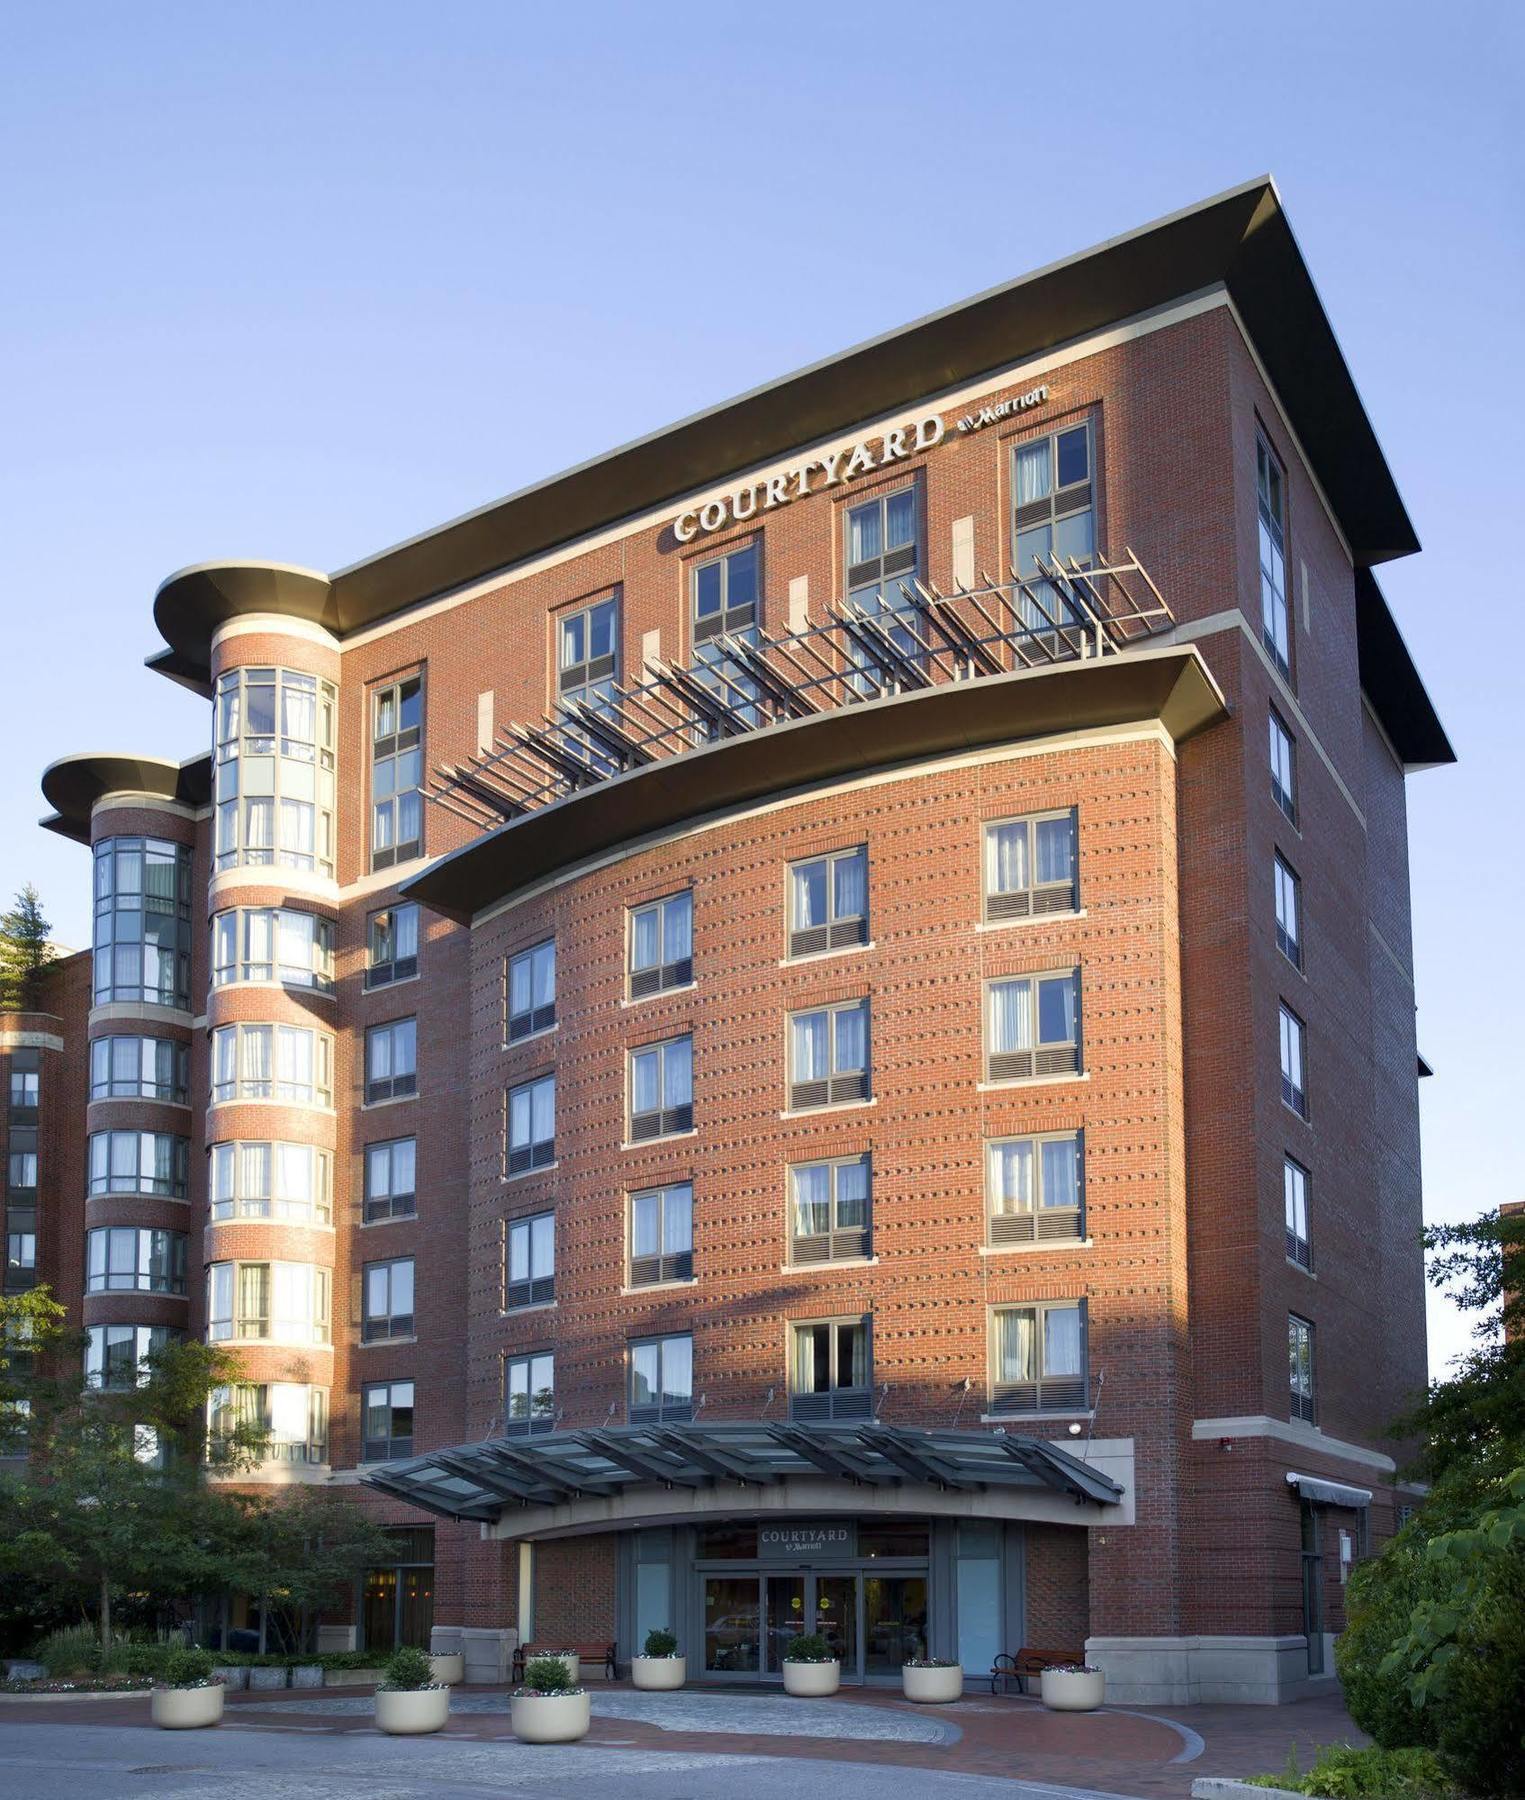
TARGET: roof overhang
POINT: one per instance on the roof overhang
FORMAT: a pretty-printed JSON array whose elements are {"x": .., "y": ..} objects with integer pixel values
[
  {"x": 1171, "y": 684},
  {"x": 73, "y": 785},
  {"x": 1239, "y": 240},
  {"x": 1327, "y": 1493},
  {"x": 1392, "y": 683}
]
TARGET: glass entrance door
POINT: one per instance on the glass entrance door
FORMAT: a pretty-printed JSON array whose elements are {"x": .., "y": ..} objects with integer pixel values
[
  {"x": 783, "y": 1618},
  {"x": 732, "y": 1622},
  {"x": 836, "y": 1618},
  {"x": 894, "y": 1621}
]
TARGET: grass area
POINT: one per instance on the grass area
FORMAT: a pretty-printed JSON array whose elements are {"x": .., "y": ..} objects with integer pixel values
[{"x": 1341, "y": 1772}]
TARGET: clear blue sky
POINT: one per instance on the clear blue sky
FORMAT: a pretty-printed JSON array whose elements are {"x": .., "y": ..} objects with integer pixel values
[{"x": 297, "y": 281}]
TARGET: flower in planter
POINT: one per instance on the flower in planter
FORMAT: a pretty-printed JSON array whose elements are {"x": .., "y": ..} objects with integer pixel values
[
  {"x": 1071, "y": 1669},
  {"x": 660, "y": 1643},
  {"x": 809, "y": 1647},
  {"x": 407, "y": 1671},
  {"x": 547, "y": 1675},
  {"x": 187, "y": 1669},
  {"x": 931, "y": 1662}
]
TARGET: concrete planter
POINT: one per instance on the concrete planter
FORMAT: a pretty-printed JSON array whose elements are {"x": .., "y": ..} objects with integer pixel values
[
  {"x": 263, "y": 1679},
  {"x": 308, "y": 1675},
  {"x": 933, "y": 1687},
  {"x": 409, "y": 1712},
  {"x": 235, "y": 1676},
  {"x": 449, "y": 1667},
  {"x": 813, "y": 1679},
  {"x": 186, "y": 1709},
  {"x": 656, "y": 1674},
  {"x": 549, "y": 1718},
  {"x": 1073, "y": 1690},
  {"x": 351, "y": 1677}
]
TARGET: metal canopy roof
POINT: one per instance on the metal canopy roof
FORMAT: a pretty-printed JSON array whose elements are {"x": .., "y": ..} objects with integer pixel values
[{"x": 479, "y": 1481}]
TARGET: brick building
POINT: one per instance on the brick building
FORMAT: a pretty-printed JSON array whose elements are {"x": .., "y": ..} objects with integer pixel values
[{"x": 812, "y": 1022}]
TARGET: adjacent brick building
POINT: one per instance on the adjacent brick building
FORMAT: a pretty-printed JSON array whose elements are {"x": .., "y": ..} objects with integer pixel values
[{"x": 811, "y": 1023}]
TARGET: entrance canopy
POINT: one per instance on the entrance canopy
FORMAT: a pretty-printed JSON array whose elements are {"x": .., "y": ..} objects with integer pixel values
[{"x": 479, "y": 1481}]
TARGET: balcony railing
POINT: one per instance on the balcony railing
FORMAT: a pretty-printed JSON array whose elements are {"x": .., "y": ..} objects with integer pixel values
[{"x": 1057, "y": 615}]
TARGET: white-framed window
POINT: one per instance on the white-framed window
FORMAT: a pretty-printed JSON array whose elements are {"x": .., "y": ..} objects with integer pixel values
[
  {"x": 139, "y": 1068},
  {"x": 387, "y": 1300},
  {"x": 1032, "y": 1026},
  {"x": 661, "y": 1089},
  {"x": 1031, "y": 866},
  {"x": 139, "y": 1162},
  {"x": 661, "y": 937},
  {"x": 270, "y": 943},
  {"x": 829, "y": 1055},
  {"x": 531, "y": 1250},
  {"x": 1289, "y": 911},
  {"x": 1034, "y": 1187},
  {"x": 273, "y": 770},
  {"x": 1295, "y": 1193},
  {"x": 662, "y": 1234},
  {"x": 292, "y": 1415},
  {"x": 1294, "y": 1063},
  {"x": 531, "y": 990},
  {"x": 661, "y": 1378},
  {"x": 531, "y": 1125},
  {"x": 831, "y": 1369},
  {"x": 292, "y": 1182},
  {"x": 397, "y": 767},
  {"x": 1300, "y": 1368},
  {"x": 273, "y": 1062},
  {"x": 1038, "y": 1358},
  {"x": 828, "y": 902},
  {"x": 391, "y": 945},
  {"x": 1283, "y": 759},
  {"x": 124, "y": 1259},
  {"x": 285, "y": 1302},
  {"x": 1271, "y": 498},
  {"x": 391, "y": 1060},
  {"x": 391, "y": 1180},
  {"x": 830, "y": 1209},
  {"x": 529, "y": 1393},
  {"x": 387, "y": 1411}
]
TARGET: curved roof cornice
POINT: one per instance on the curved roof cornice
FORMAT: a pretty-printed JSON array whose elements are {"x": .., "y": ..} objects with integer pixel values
[{"x": 73, "y": 785}]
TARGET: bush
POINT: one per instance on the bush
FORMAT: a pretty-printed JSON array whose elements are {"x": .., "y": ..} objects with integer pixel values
[
  {"x": 1341, "y": 1772},
  {"x": 1381, "y": 1596},
  {"x": 71, "y": 1650},
  {"x": 809, "y": 1647},
  {"x": 661, "y": 1643},
  {"x": 547, "y": 1675},
  {"x": 186, "y": 1668},
  {"x": 407, "y": 1669}
]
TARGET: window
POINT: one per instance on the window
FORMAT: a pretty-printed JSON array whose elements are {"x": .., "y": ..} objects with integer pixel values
[
  {"x": 1289, "y": 913},
  {"x": 397, "y": 761},
  {"x": 1053, "y": 519},
  {"x": 1033, "y": 1026},
  {"x": 1275, "y": 624},
  {"x": 726, "y": 604},
  {"x": 1283, "y": 767},
  {"x": 529, "y": 1390},
  {"x": 391, "y": 1060},
  {"x": 26, "y": 1073},
  {"x": 389, "y": 1180},
  {"x": 1295, "y": 1189},
  {"x": 1040, "y": 1358},
  {"x": 831, "y": 1371},
  {"x": 1033, "y": 1185},
  {"x": 273, "y": 770},
  {"x": 828, "y": 1056},
  {"x": 588, "y": 659},
  {"x": 661, "y": 1089},
  {"x": 828, "y": 902},
  {"x": 273, "y": 1062},
  {"x": 1294, "y": 1090},
  {"x": 662, "y": 1379},
  {"x": 115, "y": 1354},
  {"x": 292, "y": 1416},
  {"x": 21, "y": 1158},
  {"x": 662, "y": 1235},
  {"x": 532, "y": 990},
  {"x": 1300, "y": 1367},
  {"x": 387, "y": 1309},
  {"x": 284, "y": 1302},
  {"x": 120, "y": 1259},
  {"x": 142, "y": 940},
  {"x": 881, "y": 563},
  {"x": 139, "y": 1162},
  {"x": 139, "y": 1068},
  {"x": 272, "y": 1181},
  {"x": 273, "y": 944},
  {"x": 391, "y": 945},
  {"x": 388, "y": 1420},
  {"x": 661, "y": 945},
  {"x": 829, "y": 1210},
  {"x": 1030, "y": 866},
  {"x": 20, "y": 1257},
  {"x": 532, "y": 1125},
  {"x": 531, "y": 1261}
]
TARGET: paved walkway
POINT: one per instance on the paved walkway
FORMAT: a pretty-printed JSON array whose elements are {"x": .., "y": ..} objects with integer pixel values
[{"x": 1117, "y": 1751}]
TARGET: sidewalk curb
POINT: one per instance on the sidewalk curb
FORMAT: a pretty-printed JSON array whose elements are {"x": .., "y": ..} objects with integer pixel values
[{"x": 1221, "y": 1787}]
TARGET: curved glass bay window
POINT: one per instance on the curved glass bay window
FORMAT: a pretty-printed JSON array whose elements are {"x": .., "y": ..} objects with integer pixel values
[
  {"x": 140, "y": 1068},
  {"x": 115, "y": 1354},
  {"x": 122, "y": 1259},
  {"x": 269, "y": 943},
  {"x": 273, "y": 1062},
  {"x": 288, "y": 1303},
  {"x": 142, "y": 922},
  {"x": 139, "y": 1162},
  {"x": 272, "y": 1181},
  {"x": 292, "y": 1416},
  {"x": 273, "y": 770}
]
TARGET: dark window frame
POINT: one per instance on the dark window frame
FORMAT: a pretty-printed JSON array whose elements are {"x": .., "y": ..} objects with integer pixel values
[
  {"x": 663, "y": 1265},
  {"x": 838, "y": 1400},
  {"x": 1044, "y": 1059},
  {"x": 1039, "y": 1223},
  {"x": 533, "y": 1290},
  {"x": 401, "y": 1085},
  {"x": 385, "y": 971},
  {"x": 390, "y": 748},
  {"x": 535, "y": 1153},
  {"x": 838, "y": 1243},
  {"x": 1062, "y": 1393},
  {"x": 394, "y": 1446},
  {"x": 838, "y": 1087},
  {"x": 662, "y": 975},
  {"x": 662, "y": 1120},
  {"x": 380, "y": 1327},
  {"x": 532, "y": 1020},
  {"x": 674, "y": 1409}
]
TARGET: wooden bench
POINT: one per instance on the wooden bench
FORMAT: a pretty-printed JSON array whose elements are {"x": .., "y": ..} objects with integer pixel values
[
  {"x": 1024, "y": 1663},
  {"x": 586, "y": 1654}
]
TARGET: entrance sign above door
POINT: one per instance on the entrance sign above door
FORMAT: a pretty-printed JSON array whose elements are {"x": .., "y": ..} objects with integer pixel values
[{"x": 795, "y": 1543}]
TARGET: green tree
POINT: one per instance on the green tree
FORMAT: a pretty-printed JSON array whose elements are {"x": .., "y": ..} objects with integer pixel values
[
  {"x": 26, "y": 950},
  {"x": 301, "y": 1552}
]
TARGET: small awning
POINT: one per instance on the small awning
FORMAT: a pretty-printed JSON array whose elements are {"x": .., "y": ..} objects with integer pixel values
[
  {"x": 482, "y": 1480},
  {"x": 1328, "y": 1493}
]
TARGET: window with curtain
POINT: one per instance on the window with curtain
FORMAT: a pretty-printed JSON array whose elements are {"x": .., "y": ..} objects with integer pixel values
[
  {"x": 1294, "y": 1089},
  {"x": 661, "y": 1379},
  {"x": 387, "y": 1420},
  {"x": 831, "y": 1373},
  {"x": 131, "y": 1068},
  {"x": 390, "y": 1180},
  {"x": 1033, "y": 1026},
  {"x": 391, "y": 952},
  {"x": 387, "y": 1300},
  {"x": 124, "y": 1259},
  {"x": 273, "y": 770},
  {"x": 397, "y": 761},
  {"x": 1283, "y": 758},
  {"x": 391, "y": 1060},
  {"x": 531, "y": 1261},
  {"x": 1039, "y": 1354},
  {"x": 828, "y": 902},
  {"x": 531, "y": 987},
  {"x": 1289, "y": 910},
  {"x": 1053, "y": 523},
  {"x": 829, "y": 1210},
  {"x": 662, "y": 945},
  {"x": 661, "y": 1089},
  {"x": 531, "y": 1125},
  {"x": 828, "y": 1056},
  {"x": 662, "y": 1235},
  {"x": 1271, "y": 496},
  {"x": 1030, "y": 866},
  {"x": 1033, "y": 1185},
  {"x": 139, "y": 1162},
  {"x": 1295, "y": 1194}
]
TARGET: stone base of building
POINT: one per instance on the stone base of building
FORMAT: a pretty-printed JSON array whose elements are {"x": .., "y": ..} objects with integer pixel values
[
  {"x": 1206, "y": 1671},
  {"x": 489, "y": 1654},
  {"x": 335, "y": 1637}
]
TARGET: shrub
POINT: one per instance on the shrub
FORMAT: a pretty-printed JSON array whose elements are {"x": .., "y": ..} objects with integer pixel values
[
  {"x": 547, "y": 1675},
  {"x": 809, "y": 1647},
  {"x": 407, "y": 1669},
  {"x": 71, "y": 1650},
  {"x": 186, "y": 1668},
  {"x": 1341, "y": 1772},
  {"x": 1381, "y": 1596},
  {"x": 661, "y": 1643}
]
